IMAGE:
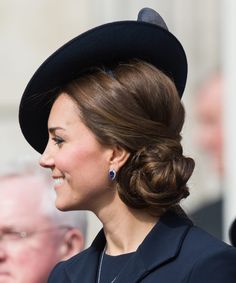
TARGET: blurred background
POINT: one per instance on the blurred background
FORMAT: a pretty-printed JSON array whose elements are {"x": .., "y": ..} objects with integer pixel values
[{"x": 32, "y": 29}]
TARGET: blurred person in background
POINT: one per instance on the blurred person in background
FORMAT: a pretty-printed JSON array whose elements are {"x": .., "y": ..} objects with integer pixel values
[
  {"x": 34, "y": 235},
  {"x": 210, "y": 141}
]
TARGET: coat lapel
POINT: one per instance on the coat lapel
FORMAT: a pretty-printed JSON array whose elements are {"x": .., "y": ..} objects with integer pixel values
[
  {"x": 160, "y": 246},
  {"x": 85, "y": 270}
]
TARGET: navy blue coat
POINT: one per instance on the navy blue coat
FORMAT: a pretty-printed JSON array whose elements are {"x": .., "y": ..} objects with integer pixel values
[{"x": 174, "y": 251}]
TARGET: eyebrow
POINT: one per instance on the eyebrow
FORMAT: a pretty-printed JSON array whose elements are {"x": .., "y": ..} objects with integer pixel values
[
  {"x": 8, "y": 228},
  {"x": 53, "y": 129}
]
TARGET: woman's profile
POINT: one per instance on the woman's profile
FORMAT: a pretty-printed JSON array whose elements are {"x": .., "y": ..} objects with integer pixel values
[{"x": 105, "y": 112}]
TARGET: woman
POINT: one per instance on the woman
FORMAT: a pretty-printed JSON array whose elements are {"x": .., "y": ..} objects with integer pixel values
[{"x": 110, "y": 101}]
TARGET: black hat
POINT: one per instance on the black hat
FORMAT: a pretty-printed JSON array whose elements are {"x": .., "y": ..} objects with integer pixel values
[{"x": 147, "y": 39}]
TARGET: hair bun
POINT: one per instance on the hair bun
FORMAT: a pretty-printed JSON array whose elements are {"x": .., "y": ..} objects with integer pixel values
[{"x": 158, "y": 177}]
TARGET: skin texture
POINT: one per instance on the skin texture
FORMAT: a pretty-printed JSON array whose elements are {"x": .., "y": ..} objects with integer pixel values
[
  {"x": 30, "y": 260},
  {"x": 74, "y": 154},
  {"x": 209, "y": 116},
  {"x": 23, "y": 261}
]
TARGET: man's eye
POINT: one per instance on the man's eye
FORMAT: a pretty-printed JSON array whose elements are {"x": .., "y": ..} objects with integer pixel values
[{"x": 58, "y": 140}]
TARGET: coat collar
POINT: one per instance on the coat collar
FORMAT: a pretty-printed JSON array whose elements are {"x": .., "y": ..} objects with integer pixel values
[
  {"x": 84, "y": 267},
  {"x": 161, "y": 245}
]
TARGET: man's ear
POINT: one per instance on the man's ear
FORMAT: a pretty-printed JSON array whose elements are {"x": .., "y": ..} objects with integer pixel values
[
  {"x": 72, "y": 243},
  {"x": 119, "y": 157}
]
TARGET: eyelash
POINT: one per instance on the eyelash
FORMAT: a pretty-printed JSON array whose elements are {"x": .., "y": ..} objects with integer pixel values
[{"x": 58, "y": 141}]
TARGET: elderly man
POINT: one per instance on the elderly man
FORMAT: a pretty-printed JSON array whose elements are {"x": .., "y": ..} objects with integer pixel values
[
  {"x": 34, "y": 235},
  {"x": 210, "y": 141}
]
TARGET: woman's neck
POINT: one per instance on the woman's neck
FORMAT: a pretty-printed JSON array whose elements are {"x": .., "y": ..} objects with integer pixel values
[{"x": 124, "y": 228}]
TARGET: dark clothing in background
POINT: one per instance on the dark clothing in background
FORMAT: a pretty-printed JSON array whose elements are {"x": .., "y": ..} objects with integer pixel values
[
  {"x": 210, "y": 218},
  {"x": 232, "y": 233}
]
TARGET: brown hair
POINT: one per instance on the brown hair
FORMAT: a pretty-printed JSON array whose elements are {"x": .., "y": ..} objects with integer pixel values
[{"x": 137, "y": 107}]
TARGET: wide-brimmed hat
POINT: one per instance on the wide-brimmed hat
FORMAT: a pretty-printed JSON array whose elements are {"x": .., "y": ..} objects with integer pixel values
[{"x": 107, "y": 45}]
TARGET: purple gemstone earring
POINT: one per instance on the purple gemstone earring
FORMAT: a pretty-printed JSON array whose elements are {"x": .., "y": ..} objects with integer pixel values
[{"x": 112, "y": 174}]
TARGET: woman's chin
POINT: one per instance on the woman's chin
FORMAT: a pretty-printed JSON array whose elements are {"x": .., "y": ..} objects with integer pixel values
[{"x": 62, "y": 206}]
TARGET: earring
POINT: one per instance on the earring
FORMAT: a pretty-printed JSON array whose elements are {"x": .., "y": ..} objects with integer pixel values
[{"x": 112, "y": 174}]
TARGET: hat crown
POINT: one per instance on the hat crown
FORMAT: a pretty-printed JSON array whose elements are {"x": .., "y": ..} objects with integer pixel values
[
  {"x": 151, "y": 16},
  {"x": 146, "y": 39}
]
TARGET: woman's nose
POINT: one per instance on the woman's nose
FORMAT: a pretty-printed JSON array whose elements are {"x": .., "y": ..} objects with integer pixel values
[{"x": 46, "y": 160}]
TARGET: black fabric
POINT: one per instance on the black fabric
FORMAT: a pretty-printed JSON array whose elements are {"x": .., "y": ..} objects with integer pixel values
[
  {"x": 112, "y": 265},
  {"x": 232, "y": 233},
  {"x": 104, "y": 46}
]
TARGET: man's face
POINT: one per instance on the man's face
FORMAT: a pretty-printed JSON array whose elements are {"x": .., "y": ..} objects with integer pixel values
[
  {"x": 30, "y": 259},
  {"x": 209, "y": 115}
]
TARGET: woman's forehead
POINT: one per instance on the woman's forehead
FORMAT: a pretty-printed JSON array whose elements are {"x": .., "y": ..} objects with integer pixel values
[{"x": 64, "y": 109}]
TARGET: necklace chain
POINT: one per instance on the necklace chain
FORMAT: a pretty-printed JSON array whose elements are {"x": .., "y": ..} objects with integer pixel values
[{"x": 100, "y": 267}]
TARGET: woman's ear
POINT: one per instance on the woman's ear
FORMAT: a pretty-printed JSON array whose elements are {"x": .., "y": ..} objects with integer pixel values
[
  {"x": 72, "y": 243},
  {"x": 119, "y": 157}
]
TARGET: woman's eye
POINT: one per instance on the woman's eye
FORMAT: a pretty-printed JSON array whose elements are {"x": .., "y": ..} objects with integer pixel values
[{"x": 58, "y": 140}]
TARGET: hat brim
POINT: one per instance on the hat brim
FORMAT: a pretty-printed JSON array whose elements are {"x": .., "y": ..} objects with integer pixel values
[{"x": 106, "y": 45}]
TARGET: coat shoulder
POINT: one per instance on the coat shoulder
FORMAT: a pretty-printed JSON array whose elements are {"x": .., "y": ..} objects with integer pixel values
[
  {"x": 200, "y": 240},
  {"x": 211, "y": 259},
  {"x": 59, "y": 273}
]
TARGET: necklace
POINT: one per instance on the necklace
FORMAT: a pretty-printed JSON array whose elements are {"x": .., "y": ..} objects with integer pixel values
[
  {"x": 101, "y": 262},
  {"x": 100, "y": 267}
]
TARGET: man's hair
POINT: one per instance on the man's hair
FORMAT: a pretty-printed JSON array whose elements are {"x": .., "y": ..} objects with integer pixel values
[{"x": 22, "y": 168}]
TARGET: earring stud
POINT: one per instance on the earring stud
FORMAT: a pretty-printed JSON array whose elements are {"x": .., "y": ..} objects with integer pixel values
[{"x": 112, "y": 174}]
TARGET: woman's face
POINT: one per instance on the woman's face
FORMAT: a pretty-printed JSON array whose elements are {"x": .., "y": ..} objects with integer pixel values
[{"x": 79, "y": 163}]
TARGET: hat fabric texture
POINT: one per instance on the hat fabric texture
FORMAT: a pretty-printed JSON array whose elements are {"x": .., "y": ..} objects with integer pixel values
[{"x": 105, "y": 46}]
